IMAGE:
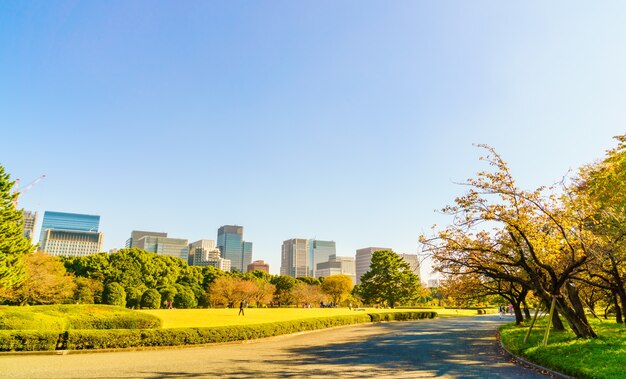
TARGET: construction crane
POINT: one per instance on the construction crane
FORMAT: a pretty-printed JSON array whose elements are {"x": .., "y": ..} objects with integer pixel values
[{"x": 26, "y": 189}]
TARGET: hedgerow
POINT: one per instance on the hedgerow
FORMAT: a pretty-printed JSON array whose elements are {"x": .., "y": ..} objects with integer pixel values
[{"x": 80, "y": 339}]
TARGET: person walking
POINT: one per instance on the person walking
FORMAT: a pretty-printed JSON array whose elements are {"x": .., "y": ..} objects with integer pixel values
[{"x": 241, "y": 309}]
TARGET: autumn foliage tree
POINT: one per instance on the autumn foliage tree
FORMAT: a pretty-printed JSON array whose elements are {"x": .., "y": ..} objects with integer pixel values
[
  {"x": 535, "y": 239},
  {"x": 337, "y": 287}
]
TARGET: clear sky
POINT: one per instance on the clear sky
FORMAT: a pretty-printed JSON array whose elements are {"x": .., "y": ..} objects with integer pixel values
[{"x": 348, "y": 121}]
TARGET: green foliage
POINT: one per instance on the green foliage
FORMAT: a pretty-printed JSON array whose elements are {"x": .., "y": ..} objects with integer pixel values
[
  {"x": 168, "y": 293},
  {"x": 114, "y": 294},
  {"x": 151, "y": 299},
  {"x": 184, "y": 298},
  {"x": 309, "y": 280},
  {"x": 401, "y": 316},
  {"x": 390, "y": 280},
  {"x": 88, "y": 291},
  {"x": 59, "y": 318},
  {"x": 133, "y": 296},
  {"x": 27, "y": 340},
  {"x": 13, "y": 244},
  {"x": 284, "y": 288}
]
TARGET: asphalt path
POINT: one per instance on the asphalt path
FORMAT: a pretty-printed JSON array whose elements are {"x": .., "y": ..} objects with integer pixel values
[{"x": 463, "y": 347}]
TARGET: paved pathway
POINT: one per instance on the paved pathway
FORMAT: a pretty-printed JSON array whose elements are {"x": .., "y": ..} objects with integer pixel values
[{"x": 443, "y": 348}]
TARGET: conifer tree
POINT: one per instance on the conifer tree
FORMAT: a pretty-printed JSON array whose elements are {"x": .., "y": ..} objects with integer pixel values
[{"x": 13, "y": 244}]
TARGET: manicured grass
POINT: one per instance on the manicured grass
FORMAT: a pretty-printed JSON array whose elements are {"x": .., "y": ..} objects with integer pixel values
[
  {"x": 199, "y": 318},
  {"x": 602, "y": 357},
  {"x": 59, "y": 318}
]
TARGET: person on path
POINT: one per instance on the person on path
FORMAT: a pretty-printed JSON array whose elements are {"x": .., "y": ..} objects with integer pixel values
[{"x": 241, "y": 309}]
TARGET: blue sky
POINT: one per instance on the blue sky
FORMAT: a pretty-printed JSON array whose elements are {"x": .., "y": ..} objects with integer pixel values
[{"x": 348, "y": 121}]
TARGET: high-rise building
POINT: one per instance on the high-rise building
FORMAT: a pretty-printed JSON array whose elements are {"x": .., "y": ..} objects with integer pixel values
[
  {"x": 259, "y": 265},
  {"x": 295, "y": 257},
  {"x": 205, "y": 253},
  {"x": 363, "y": 259},
  {"x": 414, "y": 262},
  {"x": 159, "y": 243},
  {"x": 233, "y": 247},
  {"x": 135, "y": 235},
  {"x": 70, "y": 234},
  {"x": 319, "y": 251},
  {"x": 337, "y": 265},
  {"x": 30, "y": 220}
]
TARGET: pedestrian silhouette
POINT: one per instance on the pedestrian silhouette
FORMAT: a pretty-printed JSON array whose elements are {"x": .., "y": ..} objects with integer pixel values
[{"x": 241, "y": 309}]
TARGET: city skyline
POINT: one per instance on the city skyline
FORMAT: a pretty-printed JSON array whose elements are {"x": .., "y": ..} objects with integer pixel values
[{"x": 348, "y": 121}]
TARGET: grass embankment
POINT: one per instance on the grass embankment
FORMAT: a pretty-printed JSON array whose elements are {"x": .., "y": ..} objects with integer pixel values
[
  {"x": 202, "y": 318},
  {"x": 602, "y": 357}
]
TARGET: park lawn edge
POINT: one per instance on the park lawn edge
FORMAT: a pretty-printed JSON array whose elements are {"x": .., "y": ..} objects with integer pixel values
[
  {"x": 84, "y": 339},
  {"x": 600, "y": 358}
]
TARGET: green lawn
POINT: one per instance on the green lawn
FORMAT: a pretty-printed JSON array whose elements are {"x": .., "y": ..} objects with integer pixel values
[
  {"x": 186, "y": 318},
  {"x": 602, "y": 357}
]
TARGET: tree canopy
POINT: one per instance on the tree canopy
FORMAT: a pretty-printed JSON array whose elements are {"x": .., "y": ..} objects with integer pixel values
[{"x": 389, "y": 281}]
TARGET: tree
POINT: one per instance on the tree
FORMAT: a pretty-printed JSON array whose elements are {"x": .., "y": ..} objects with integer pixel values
[
  {"x": 134, "y": 295},
  {"x": 263, "y": 293},
  {"x": 338, "y": 287},
  {"x": 151, "y": 299},
  {"x": 88, "y": 291},
  {"x": 114, "y": 294},
  {"x": 309, "y": 280},
  {"x": 13, "y": 244},
  {"x": 389, "y": 281},
  {"x": 46, "y": 281},
  {"x": 228, "y": 291},
  {"x": 536, "y": 239},
  {"x": 184, "y": 297},
  {"x": 284, "y": 288},
  {"x": 307, "y": 294}
]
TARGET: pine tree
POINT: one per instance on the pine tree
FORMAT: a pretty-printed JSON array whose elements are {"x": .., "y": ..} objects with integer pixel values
[{"x": 13, "y": 244}]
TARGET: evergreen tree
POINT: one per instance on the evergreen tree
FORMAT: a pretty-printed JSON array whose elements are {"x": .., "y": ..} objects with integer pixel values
[
  {"x": 389, "y": 280},
  {"x": 13, "y": 244}
]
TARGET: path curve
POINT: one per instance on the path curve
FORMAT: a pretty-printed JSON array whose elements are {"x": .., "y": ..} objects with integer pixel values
[{"x": 463, "y": 347}]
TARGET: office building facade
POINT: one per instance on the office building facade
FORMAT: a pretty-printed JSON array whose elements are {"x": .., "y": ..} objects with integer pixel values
[
  {"x": 413, "y": 261},
  {"x": 259, "y": 265},
  {"x": 70, "y": 234},
  {"x": 319, "y": 251},
  {"x": 232, "y": 247},
  {"x": 294, "y": 260},
  {"x": 363, "y": 259},
  {"x": 29, "y": 221},
  {"x": 160, "y": 243},
  {"x": 206, "y": 253},
  {"x": 337, "y": 265}
]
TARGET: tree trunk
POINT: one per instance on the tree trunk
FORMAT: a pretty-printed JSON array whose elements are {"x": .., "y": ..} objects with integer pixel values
[
  {"x": 579, "y": 326},
  {"x": 526, "y": 310},
  {"x": 519, "y": 317},
  {"x": 557, "y": 324},
  {"x": 618, "y": 311},
  {"x": 622, "y": 301}
]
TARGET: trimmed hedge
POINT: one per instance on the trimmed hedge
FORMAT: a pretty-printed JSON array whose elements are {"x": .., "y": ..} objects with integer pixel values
[
  {"x": 80, "y": 339},
  {"x": 28, "y": 340},
  {"x": 59, "y": 318}
]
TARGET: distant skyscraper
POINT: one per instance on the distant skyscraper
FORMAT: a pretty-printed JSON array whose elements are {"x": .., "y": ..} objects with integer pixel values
[
  {"x": 319, "y": 251},
  {"x": 205, "y": 253},
  {"x": 259, "y": 265},
  {"x": 135, "y": 235},
  {"x": 70, "y": 234},
  {"x": 30, "y": 220},
  {"x": 159, "y": 243},
  {"x": 337, "y": 265},
  {"x": 413, "y": 261},
  {"x": 233, "y": 247},
  {"x": 295, "y": 257},
  {"x": 363, "y": 259}
]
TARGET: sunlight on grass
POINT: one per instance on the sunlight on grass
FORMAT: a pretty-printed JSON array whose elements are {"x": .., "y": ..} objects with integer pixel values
[
  {"x": 602, "y": 357},
  {"x": 185, "y": 318}
]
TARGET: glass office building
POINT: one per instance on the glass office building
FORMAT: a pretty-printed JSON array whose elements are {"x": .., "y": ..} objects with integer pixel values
[
  {"x": 70, "y": 234},
  {"x": 319, "y": 251},
  {"x": 233, "y": 247}
]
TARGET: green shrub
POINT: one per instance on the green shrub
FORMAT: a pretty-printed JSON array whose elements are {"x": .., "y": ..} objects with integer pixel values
[
  {"x": 59, "y": 318},
  {"x": 27, "y": 340},
  {"x": 133, "y": 296},
  {"x": 151, "y": 299},
  {"x": 185, "y": 298},
  {"x": 114, "y": 294}
]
